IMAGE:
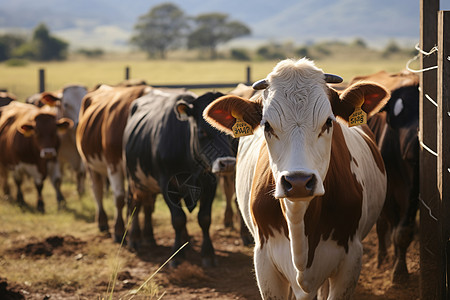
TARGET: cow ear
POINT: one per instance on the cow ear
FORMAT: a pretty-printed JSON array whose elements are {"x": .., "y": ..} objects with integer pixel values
[
  {"x": 223, "y": 111},
  {"x": 183, "y": 110},
  {"x": 26, "y": 129},
  {"x": 369, "y": 96},
  {"x": 50, "y": 99},
  {"x": 63, "y": 125}
]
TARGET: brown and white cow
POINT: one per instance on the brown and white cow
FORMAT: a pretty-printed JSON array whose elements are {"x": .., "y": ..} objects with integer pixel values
[
  {"x": 310, "y": 188},
  {"x": 66, "y": 103},
  {"x": 102, "y": 120},
  {"x": 28, "y": 145},
  {"x": 396, "y": 132}
]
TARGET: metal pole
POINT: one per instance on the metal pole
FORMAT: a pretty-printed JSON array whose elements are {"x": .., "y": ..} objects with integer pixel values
[{"x": 41, "y": 80}]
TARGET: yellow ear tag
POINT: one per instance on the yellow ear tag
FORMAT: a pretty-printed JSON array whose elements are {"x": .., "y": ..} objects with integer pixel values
[
  {"x": 241, "y": 128},
  {"x": 358, "y": 117}
]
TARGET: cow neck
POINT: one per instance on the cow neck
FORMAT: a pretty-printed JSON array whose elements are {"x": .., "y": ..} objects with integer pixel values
[
  {"x": 333, "y": 216},
  {"x": 266, "y": 211},
  {"x": 199, "y": 160}
]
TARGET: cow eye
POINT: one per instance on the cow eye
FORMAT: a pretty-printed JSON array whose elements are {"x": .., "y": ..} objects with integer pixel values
[
  {"x": 269, "y": 130},
  {"x": 326, "y": 127}
]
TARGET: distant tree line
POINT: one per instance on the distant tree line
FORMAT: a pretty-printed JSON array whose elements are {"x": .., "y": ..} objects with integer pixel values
[
  {"x": 166, "y": 27},
  {"x": 41, "y": 47}
]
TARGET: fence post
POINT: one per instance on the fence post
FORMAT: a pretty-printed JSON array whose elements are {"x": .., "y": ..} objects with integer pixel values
[
  {"x": 249, "y": 75},
  {"x": 127, "y": 72},
  {"x": 431, "y": 267},
  {"x": 41, "y": 80},
  {"x": 443, "y": 141}
]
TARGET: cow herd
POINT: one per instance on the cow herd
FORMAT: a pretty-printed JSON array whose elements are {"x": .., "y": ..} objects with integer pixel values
[{"x": 311, "y": 178}]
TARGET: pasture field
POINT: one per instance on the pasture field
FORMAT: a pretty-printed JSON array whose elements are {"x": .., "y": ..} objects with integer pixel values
[
  {"x": 62, "y": 255},
  {"x": 23, "y": 80}
]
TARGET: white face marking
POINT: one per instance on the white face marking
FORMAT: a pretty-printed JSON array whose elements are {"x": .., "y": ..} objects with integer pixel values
[
  {"x": 297, "y": 120},
  {"x": 398, "y": 107}
]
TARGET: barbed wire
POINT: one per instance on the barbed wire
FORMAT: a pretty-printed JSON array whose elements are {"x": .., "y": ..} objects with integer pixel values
[{"x": 434, "y": 49}]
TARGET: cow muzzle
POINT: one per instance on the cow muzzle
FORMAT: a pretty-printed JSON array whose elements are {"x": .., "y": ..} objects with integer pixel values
[
  {"x": 298, "y": 186},
  {"x": 224, "y": 165},
  {"x": 48, "y": 153}
]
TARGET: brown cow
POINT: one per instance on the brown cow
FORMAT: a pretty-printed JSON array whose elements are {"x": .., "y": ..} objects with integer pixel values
[
  {"x": 102, "y": 119},
  {"x": 28, "y": 145},
  {"x": 67, "y": 103}
]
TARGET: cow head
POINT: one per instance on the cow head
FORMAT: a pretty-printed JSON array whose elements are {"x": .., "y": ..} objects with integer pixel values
[
  {"x": 43, "y": 129},
  {"x": 403, "y": 118},
  {"x": 72, "y": 97},
  {"x": 208, "y": 145},
  {"x": 297, "y": 111}
]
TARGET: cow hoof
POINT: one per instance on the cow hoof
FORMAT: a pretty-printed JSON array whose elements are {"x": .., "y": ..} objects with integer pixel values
[
  {"x": 41, "y": 208},
  {"x": 174, "y": 263},
  {"x": 134, "y": 245},
  {"x": 119, "y": 238},
  {"x": 150, "y": 243},
  {"x": 209, "y": 262},
  {"x": 400, "y": 274}
]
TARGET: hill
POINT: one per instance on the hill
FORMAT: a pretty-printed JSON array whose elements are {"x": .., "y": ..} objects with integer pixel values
[{"x": 96, "y": 23}]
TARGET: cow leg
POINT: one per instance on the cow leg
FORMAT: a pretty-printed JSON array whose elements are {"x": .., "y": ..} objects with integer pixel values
[
  {"x": 404, "y": 233},
  {"x": 179, "y": 225},
  {"x": 81, "y": 178},
  {"x": 149, "y": 207},
  {"x": 134, "y": 239},
  {"x": 272, "y": 284},
  {"x": 97, "y": 188},
  {"x": 4, "y": 181},
  {"x": 18, "y": 181},
  {"x": 117, "y": 184},
  {"x": 40, "y": 201},
  {"x": 343, "y": 282},
  {"x": 204, "y": 219},
  {"x": 227, "y": 183},
  {"x": 383, "y": 235},
  {"x": 55, "y": 177}
]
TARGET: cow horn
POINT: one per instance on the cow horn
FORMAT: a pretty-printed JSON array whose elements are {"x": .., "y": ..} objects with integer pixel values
[
  {"x": 330, "y": 78},
  {"x": 260, "y": 84}
]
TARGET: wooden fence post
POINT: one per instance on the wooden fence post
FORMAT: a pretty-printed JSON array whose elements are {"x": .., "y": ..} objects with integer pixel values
[
  {"x": 431, "y": 264},
  {"x": 41, "y": 80},
  {"x": 443, "y": 141},
  {"x": 249, "y": 76},
  {"x": 127, "y": 72}
]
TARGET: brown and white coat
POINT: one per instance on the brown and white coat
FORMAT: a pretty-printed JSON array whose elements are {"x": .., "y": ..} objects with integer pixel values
[{"x": 309, "y": 188}]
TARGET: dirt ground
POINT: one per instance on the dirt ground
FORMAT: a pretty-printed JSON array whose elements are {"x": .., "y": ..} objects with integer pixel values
[{"x": 232, "y": 279}]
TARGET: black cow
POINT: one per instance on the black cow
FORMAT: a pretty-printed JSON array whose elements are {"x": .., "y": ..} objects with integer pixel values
[
  {"x": 396, "y": 131},
  {"x": 169, "y": 148}
]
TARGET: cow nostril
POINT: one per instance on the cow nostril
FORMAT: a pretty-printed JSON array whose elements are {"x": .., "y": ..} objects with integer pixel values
[
  {"x": 286, "y": 184},
  {"x": 311, "y": 183}
]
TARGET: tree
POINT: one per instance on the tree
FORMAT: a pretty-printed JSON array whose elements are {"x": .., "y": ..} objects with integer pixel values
[
  {"x": 43, "y": 46},
  {"x": 214, "y": 29},
  {"x": 8, "y": 42},
  {"x": 160, "y": 30}
]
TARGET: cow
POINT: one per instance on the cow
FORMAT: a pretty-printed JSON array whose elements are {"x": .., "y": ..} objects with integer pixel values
[
  {"x": 28, "y": 145},
  {"x": 170, "y": 149},
  {"x": 6, "y": 98},
  {"x": 67, "y": 103},
  {"x": 309, "y": 188},
  {"x": 101, "y": 122},
  {"x": 396, "y": 132}
]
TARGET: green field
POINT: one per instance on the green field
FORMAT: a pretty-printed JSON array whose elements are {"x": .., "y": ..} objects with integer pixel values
[{"x": 23, "y": 80}]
